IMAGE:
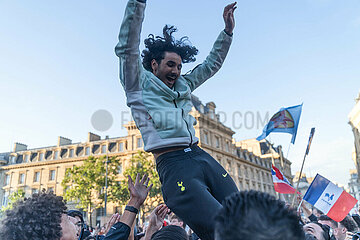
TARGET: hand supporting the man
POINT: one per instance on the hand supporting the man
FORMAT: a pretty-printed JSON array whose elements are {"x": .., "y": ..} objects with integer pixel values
[
  {"x": 138, "y": 191},
  {"x": 138, "y": 194},
  {"x": 156, "y": 220},
  {"x": 229, "y": 19}
]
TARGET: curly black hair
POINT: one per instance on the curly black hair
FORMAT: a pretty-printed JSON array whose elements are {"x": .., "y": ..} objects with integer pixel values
[
  {"x": 156, "y": 47},
  {"x": 37, "y": 217},
  {"x": 256, "y": 215}
]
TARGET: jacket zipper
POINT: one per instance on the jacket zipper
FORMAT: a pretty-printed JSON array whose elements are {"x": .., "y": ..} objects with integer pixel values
[{"x": 187, "y": 125}]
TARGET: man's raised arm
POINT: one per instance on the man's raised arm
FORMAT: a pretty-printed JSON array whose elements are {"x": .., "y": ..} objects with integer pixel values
[
  {"x": 215, "y": 59},
  {"x": 128, "y": 47}
]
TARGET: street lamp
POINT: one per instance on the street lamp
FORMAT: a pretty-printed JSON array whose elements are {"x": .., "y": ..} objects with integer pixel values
[{"x": 106, "y": 174}]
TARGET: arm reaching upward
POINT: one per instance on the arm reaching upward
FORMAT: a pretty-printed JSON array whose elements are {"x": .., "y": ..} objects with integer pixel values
[
  {"x": 229, "y": 19},
  {"x": 127, "y": 48},
  {"x": 215, "y": 59}
]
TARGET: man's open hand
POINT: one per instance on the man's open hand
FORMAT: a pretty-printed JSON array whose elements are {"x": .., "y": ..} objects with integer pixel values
[
  {"x": 229, "y": 17},
  {"x": 139, "y": 190},
  {"x": 157, "y": 216}
]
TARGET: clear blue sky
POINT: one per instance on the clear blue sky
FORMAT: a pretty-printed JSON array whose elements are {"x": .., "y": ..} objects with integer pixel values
[{"x": 57, "y": 67}]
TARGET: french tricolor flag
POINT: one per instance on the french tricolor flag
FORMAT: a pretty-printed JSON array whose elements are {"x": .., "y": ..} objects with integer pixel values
[
  {"x": 329, "y": 198},
  {"x": 281, "y": 184}
]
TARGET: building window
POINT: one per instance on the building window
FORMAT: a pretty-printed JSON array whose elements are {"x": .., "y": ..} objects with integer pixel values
[
  {"x": 206, "y": 138},
  {"x": 239, "y": 170},
  {"x": 27, "y": 157},
  {"x": 33, "y": 156},
  {"x": 34, "y": 190},
  {"x": 56, "y": 155},
  {"x": 41, "y": 157},
  {"x": 100, "y": 211},
  {"x": 103, "y": 149},
  {"x": 87, "y": 151},
  {"x": 217, "y": 142},
  {"x": 52, "y": 175},
  {"x": 12, "y": 159},
  {"x": 227, "y": 146},
  {"x": 71, "y": 153},
  {"x": 139, "y": 143},
  {"x": 22, "y": 178},
  {"x": 5, "y": 199},
  {"x": 228, "y": 165},
  {"x": 121, "y": 147},
  {"x": 7, "y": 179},
  {"x": 37, "y": 177}
]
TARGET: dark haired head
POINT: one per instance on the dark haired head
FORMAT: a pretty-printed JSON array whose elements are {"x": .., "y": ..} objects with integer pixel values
[
  {"x": 170, "y": 232},
  {"x": 157, "y": 46},
  {"x": 37, "y": 217},
  {"x": 356, "y": 218},
  {"x": 256, "y": 215},
  {"x": 175, "y": 220},
  {"x": 325, "y": 229},
  {"x": 323, "y": 218},
  {"x": 349, "y": 224},
  {"x": 76, "y": 213}
]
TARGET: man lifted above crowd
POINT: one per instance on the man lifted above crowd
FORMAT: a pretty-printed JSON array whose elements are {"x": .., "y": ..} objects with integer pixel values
[{"x": 193, "y": 183}]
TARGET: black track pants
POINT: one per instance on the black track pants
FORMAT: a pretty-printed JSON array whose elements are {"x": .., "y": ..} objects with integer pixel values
[{"x": 193, "y": 185}]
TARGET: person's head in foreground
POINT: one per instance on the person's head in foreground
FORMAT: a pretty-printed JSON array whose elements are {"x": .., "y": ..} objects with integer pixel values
[
  {"x": 256, "y": 215},
  {"x": 346, "y": 225},
  {"x": 42, "y": 216},
  {"x": 175, "y": 220},
  {"x": 79, "y": 221},
  {"x": 317, "y": 230},
  {"x": 170, "y": 232},
  {"x": 164, "y": 55}
]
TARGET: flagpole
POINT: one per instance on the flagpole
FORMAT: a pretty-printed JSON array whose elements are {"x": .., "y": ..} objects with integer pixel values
[
  {"x": 298, "y": 208},
  {"x": 287, "y": 154},
  {"x": 297, "y": 185},
  {"x": 302, "y": 165}
]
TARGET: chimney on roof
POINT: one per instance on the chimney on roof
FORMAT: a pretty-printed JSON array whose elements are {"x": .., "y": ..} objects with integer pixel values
[
  {"x": 211, "y": 106},
  {"x": 19, "y": 147},
  {"x": 93, "y": 137},
  {"x": 63, "y": 141}
]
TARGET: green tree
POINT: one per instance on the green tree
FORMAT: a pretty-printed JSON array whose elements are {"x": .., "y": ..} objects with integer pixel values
[
  {"x": 85, "y": 183},
  {"x": 13, "y": 198},
  {"x": 143, "y": 163}
]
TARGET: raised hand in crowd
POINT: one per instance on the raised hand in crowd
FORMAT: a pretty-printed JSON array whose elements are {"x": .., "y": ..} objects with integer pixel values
[
  {"x": 156, "y": 220},
  {"x": 114, "y": 219},
  {"x": 138, "y": 193}
]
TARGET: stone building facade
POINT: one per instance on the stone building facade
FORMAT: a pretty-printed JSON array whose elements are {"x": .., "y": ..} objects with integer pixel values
[
  {"x": 248, "y": 162},
  {"x": 354, "y": 121}
]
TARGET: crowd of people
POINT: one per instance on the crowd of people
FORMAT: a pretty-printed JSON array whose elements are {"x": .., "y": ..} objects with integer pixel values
[
  {"x": 201, "y": 200},
  {"x": 244, "y": 215}
]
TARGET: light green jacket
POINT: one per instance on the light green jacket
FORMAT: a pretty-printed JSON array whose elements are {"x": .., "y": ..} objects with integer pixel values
[{"x": 160, "y": 113}]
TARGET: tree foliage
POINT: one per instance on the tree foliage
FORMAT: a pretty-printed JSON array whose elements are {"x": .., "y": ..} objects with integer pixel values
[
  {"x": 85, "y": 184},
  {"x": 13, "y": 198}
]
